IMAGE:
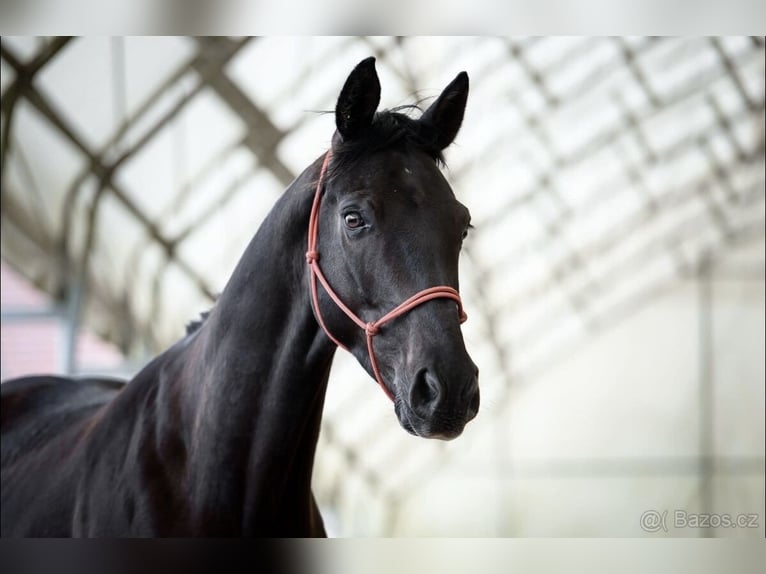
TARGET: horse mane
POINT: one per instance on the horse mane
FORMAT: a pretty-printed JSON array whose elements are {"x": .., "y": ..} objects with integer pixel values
[
  {"x": 196, "y": 324},
  {"x": 389, "y": 129}
]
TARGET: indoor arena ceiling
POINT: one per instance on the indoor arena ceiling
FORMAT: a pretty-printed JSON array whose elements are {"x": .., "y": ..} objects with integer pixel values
[{"x": 599, "y": 171}]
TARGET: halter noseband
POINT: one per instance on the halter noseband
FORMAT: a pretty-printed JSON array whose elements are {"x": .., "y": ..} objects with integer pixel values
[{"x": 371, "y": 328}]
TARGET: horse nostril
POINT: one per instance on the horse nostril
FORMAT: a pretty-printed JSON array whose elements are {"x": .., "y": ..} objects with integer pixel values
[{"x": 425, "y": 394}]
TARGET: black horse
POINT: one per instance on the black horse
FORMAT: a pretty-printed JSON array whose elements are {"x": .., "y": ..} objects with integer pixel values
[{"x": 216, "y": 436}]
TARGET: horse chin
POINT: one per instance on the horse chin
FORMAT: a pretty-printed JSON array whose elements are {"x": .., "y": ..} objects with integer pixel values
[{"x": 424, "y": 429}]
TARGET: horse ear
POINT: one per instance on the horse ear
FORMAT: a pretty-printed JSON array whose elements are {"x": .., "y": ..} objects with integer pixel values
[
  {"x": 445, "y": 115},
  {"x": 358, "y": 100}
]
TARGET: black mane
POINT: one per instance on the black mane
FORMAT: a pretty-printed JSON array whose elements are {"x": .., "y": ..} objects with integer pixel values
[
  {"x": 194, "y": 325},
  {"x": 389, "y": 129}
]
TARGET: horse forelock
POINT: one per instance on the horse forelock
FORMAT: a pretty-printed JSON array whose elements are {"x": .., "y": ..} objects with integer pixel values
[{"x": 390, "y": 130}]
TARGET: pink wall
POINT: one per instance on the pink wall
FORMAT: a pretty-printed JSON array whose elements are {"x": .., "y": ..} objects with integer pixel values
[{"x": 36, "y": 346}]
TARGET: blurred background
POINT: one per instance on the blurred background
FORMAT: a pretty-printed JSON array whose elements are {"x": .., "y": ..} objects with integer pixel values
[{"x": 614, "y": 281}]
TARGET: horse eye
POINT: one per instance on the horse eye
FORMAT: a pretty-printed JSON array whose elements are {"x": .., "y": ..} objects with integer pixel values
[{"x": 353, "y": 220}]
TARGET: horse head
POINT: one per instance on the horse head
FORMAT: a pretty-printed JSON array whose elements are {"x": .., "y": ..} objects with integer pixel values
[{"x": 388, "y": 227}]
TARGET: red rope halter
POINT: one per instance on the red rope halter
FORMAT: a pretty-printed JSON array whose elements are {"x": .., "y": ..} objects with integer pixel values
[{"x": 373, "y": 327}]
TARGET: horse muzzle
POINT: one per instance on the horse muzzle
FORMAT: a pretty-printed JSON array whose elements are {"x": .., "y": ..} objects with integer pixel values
[{"x": 432, "y": 409}]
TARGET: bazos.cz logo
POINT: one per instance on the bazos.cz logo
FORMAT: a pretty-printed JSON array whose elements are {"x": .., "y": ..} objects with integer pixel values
[{"x": 653, "y": 520}]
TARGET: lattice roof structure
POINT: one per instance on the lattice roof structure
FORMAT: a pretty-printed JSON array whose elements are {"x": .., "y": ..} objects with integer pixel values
[{"x": 599, "y": 171}]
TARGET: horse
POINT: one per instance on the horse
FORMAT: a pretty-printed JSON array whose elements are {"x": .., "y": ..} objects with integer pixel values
[{"x": 216, "y": 436}]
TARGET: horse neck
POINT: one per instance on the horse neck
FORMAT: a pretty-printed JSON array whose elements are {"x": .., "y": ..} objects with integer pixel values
[{"x": 260, "y": 366}]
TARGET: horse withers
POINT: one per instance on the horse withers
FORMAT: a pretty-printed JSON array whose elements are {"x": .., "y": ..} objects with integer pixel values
[{"x": 217, "y": 435}]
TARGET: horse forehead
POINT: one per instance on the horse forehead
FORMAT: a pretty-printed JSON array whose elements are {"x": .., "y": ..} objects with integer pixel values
[{"x": 415, "y": 177}]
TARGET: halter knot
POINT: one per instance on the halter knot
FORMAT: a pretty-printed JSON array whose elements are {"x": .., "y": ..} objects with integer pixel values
[
  {"x": 312, "y": 256},
  {"x": 371, "y": 329}
]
